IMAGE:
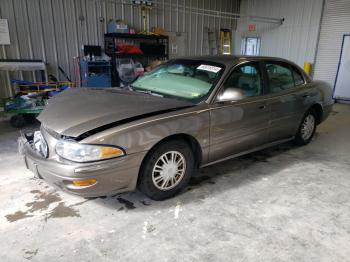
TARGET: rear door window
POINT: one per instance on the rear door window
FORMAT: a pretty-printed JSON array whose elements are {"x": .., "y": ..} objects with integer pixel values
[
  {"x": 298, "y": 78},
  {"x": 280, "y": 77}
]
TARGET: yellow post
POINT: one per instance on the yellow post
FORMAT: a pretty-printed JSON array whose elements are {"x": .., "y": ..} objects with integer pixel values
[
  {"x": 225, "y": 42},
  {"x": 307, "y": 68}
]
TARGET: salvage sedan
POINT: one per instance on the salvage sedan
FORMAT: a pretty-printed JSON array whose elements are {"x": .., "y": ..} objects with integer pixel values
[{"x": 183, "y": 115}]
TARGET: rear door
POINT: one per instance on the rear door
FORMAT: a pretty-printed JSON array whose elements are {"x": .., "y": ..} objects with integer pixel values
[
  {"x": 288, "y": 94},
  {"x": 238, "y": 126}
]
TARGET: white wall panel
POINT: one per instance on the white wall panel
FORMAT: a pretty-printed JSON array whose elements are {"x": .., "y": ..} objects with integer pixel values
[
  {"x": 55, "y": 30},
  {"x": 335, "y": 23},
  {"x": 295, "y": 39}
]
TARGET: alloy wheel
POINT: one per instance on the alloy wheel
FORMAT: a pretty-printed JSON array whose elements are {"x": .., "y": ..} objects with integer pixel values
[
  {"x": 308, "y": 127},
  {"x": 169, "y": 170}
]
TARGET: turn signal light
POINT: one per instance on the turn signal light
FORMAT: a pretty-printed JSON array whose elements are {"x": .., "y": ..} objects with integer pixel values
[
  {"x": 85, "y": 182},
  {"x": 109, "y": 152}
]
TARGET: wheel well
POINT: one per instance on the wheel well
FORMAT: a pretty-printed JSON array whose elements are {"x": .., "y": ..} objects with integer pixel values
[
  {"x": 319, "y": 112},
  {"x": 190, "y": 140}
]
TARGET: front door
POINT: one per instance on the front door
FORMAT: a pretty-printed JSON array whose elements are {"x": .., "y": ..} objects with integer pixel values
[{"x": 238, "y": 126}]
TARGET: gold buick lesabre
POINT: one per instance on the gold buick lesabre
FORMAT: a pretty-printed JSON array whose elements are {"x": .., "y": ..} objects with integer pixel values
[{"x": 185, "y": 114}]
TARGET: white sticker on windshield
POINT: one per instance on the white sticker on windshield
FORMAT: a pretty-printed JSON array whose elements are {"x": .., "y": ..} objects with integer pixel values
[{"x": 209, "y": 68}]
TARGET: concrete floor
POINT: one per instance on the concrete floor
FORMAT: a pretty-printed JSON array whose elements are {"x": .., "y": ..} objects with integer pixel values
[{"x": 281, "y": 204}]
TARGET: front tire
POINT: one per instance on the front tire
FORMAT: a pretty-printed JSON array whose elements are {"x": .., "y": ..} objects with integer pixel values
[
  {"x": 307, "y": 128},
  {"x": 166, "y": 170}
]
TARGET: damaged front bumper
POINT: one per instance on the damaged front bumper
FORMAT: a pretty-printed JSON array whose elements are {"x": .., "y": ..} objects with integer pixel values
[{"x": 112, "y": 176}]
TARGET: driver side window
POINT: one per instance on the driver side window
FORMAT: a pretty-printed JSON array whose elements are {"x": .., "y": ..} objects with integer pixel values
[{"x": 247, "y": 78}]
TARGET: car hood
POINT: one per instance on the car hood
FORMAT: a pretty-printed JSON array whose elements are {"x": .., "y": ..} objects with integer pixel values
[{"x": 79, "y": 110}]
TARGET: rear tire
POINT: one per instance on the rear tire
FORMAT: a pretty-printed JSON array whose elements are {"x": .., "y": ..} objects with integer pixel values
[
  {"x": 307, "y": 128},
  {"x": 18, "y": 121},
  {"x": 166, "y": 170}
]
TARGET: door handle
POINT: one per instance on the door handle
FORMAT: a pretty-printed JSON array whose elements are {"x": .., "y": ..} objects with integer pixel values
[
  {"x": 262, "y": 107},
  {"x": 306, "y": 95}
]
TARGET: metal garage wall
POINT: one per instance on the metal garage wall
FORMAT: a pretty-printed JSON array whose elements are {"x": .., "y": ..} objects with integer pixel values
[
  {"x": 335, "y": 23},
  {"x": 295, "y": 39},
  {"x": 54, "y": 30}
]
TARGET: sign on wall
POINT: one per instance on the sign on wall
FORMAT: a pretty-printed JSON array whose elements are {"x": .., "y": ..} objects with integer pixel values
[
  {"x": 251, "y": 27},
  {"x": 4, "y": 32}
]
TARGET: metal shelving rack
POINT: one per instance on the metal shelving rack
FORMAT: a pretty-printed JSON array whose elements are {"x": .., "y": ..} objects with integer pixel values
[{"x": 111, "y": 40}]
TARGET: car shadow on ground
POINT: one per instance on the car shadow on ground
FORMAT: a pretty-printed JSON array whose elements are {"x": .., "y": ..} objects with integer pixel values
[
  {"x": 208, "y": 181},
  {"x": 213, "y": 180}
]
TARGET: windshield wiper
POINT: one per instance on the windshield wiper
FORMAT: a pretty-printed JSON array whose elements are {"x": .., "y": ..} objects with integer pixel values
[
  {"x": 143, "y": 91},
  {"x": 148, "y": 92}
]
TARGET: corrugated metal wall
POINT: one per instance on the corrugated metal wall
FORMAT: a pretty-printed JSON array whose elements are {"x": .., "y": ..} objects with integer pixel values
[
  {"x": 55, "y": 30},
  {"x": 295, "y": 39},
  {"x": 335, "y": 23}
]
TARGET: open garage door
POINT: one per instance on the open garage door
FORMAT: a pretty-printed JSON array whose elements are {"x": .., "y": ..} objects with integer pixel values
[
  {"x": 334, "y": 25},
  {"x": 342, "y": 80}
]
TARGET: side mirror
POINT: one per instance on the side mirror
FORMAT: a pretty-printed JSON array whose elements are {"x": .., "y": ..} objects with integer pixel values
[{"x": 231, "y": 94}]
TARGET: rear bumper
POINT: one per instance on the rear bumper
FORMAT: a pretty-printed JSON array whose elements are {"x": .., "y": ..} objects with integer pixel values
[
  {"x": 113, "y": 176},
  {"x": 326, "y": 112}
]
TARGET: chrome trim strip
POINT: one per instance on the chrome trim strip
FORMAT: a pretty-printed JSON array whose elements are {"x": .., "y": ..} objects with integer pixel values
[
  {"x": 163, "y": 118},
  {"x": 248, "y": 151},
  {"x": 213, "y": 108},
  {"x": 94, "y": 168}
]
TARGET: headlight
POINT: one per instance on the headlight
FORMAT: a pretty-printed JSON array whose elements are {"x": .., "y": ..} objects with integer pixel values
[{"x": 85, "y": 153}]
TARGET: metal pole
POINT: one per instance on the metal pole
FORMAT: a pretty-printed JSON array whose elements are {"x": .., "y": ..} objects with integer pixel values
[
  {"x": 9, "y": 89},
  {"x": 209, "y": 12}
]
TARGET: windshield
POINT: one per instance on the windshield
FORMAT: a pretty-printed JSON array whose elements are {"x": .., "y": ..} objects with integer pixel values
[{"x": 190, "y": 80}]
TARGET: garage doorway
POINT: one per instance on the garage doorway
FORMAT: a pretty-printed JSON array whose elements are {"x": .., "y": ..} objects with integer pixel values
[
  {"x": 250, "y": 46},
  {"x": 342, "y": 80}
]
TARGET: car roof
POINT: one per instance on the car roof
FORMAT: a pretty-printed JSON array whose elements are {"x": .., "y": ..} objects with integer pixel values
[{"x": 230, "y": 60}]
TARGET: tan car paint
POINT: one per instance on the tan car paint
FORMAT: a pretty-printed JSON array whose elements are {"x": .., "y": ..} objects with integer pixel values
[{"x": 222, "y": 130}]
